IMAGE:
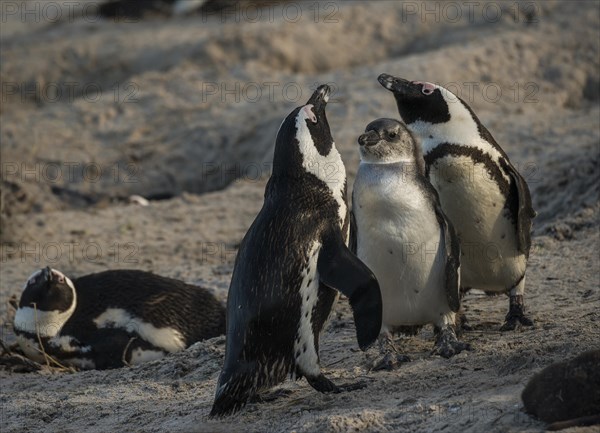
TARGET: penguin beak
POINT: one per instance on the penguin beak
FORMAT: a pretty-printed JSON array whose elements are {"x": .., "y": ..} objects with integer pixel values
[
  {"x": 369, "y": 138},
  {"x": 47, "y": 274},
  {"x": 399, "y": 86},
  {"x": 320, "y": 97}
]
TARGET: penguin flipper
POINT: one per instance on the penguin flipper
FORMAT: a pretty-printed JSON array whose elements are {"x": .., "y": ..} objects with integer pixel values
[
  {"x": 353, "y": 244},
  {"x": 452, "y": 255},
  {"x": 525, "y": 208},
  {"x": 341, "y": 270},
  {"x": 110, "y": 347},
  {"x": 64, "y": 348}
]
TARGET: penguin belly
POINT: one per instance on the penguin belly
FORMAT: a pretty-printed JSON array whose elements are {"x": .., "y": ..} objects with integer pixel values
[
  {"x": 399, "y": 239},
  {"x": 472, "y": 200},
  {"x": 305, "y": 354}
]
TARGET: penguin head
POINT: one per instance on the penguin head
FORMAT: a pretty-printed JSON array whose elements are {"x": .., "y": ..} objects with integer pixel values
[
  {"x": 304, "y": 137},
  {"x": 387, "y": 141},
  {"x": 49, "y": 290},
  {"x": 47, "y": 302},
  {"x": 431, "y": 110},
  {"x": 312, "y": 115}
]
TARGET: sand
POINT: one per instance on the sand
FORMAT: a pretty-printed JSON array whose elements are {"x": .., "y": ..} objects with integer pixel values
[{"x": 151, "y": 107}]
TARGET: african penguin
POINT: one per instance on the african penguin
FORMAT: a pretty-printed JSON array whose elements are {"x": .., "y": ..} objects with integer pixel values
[
  {"x": 403, "y": 236},
  {"x": 290, "y": 265},
  {"x": 112, "y": 318},
  {"x": 481, "y": 192}
]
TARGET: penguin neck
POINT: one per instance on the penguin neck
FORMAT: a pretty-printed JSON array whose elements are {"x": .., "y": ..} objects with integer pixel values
[
  {"x": 388, "y": 159},
  {"x": 324, "y": 162},
  {"x": 46, "y": 324},
  {"x": 401, "y": 163},
  {"x": 329, "y": 168},
  {"x": 462, "y": 127},
  {"x": 437, "y": 136}
]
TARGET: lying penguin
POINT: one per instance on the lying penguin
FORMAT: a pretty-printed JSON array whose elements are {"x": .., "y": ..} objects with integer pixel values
[
  {"x": 481, "y": 192},
  {"x": 403, "y": 236},
  {"x": 290, "y": 266},
  {"x": 112, "y": 318}
]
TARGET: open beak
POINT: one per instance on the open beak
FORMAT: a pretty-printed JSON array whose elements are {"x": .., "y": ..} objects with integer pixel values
[{"x": 369, "y": 138}]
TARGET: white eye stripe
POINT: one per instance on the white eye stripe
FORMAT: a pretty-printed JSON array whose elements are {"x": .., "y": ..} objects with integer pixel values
[
  {"x": 309, "y": 113},
  {"x": 329, "y": 168}
]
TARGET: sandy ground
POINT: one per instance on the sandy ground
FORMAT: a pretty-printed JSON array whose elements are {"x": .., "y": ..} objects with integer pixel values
[{"x": 165, "y": 127}]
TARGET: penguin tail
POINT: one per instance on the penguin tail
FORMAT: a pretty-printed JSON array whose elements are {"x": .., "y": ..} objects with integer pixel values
[
  {"x": 231, "y": 397},
  {"x": 226, "y": 404}
]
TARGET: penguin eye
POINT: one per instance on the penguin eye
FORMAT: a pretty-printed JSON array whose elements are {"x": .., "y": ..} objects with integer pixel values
[
  {"x": 427, "y": 91},
  {"x": 392, "y": 134}
]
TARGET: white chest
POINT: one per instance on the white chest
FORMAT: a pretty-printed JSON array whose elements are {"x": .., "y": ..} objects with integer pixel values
[
  {"x": 328, "y": 168},
  {"x": 474, "y": 203},
  {"x": 305, "y": 354},
  {"x": 399, "y": 238}
]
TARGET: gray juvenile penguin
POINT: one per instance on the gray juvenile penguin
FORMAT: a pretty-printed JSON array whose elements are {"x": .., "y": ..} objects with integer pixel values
[
  {"x": 481, "y": 192},
  {"x": 403, "y": 236}
]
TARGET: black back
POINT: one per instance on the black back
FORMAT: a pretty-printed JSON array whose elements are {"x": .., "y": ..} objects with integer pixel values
[{"x": 161, "y": 301}]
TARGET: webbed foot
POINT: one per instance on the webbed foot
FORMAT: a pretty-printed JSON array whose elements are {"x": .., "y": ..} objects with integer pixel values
[
  {"x": 389, "y": 358},
  {"x": 322, "y": 384},
  {"x": 447, "y": 345},
  {"x": 516, "y": 315}
]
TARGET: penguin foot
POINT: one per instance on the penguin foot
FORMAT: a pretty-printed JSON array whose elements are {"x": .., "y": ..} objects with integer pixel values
[
  {"x": 389, "y": 361},
  {"x": 270, "y": 396},
  {"x": 512, "y": 322},
  {"x": 322, "y": 384},
  {"x": 349, "y": 387},
  {"x": 516, "y": 315},
  {"x": 386, "y": 362},
  {"x": 447, "y": 345},
  {"x": 390, "y": 358}
]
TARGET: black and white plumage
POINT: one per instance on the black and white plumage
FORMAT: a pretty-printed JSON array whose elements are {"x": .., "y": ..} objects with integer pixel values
[
  {"x": 403, "y": 236},
  {"x": 289, "y": 263},
  {"x": 481, "y": 192},
  {"x": 112, "y": 318}
]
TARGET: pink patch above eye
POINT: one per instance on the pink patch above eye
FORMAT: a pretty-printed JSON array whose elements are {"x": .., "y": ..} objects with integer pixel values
[
  {"x": 308, "y": 110},
  {"x": 428, "y": 88},
  {"x": 59, "y": 277}
]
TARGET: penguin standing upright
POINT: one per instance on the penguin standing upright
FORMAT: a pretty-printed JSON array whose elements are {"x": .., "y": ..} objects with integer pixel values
[
  {"x": 112, "y": 318},
  {"x": 289, "y": 263},
  {"x": 403, "y": 236},
  {"x": 481, "y": 192}
]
